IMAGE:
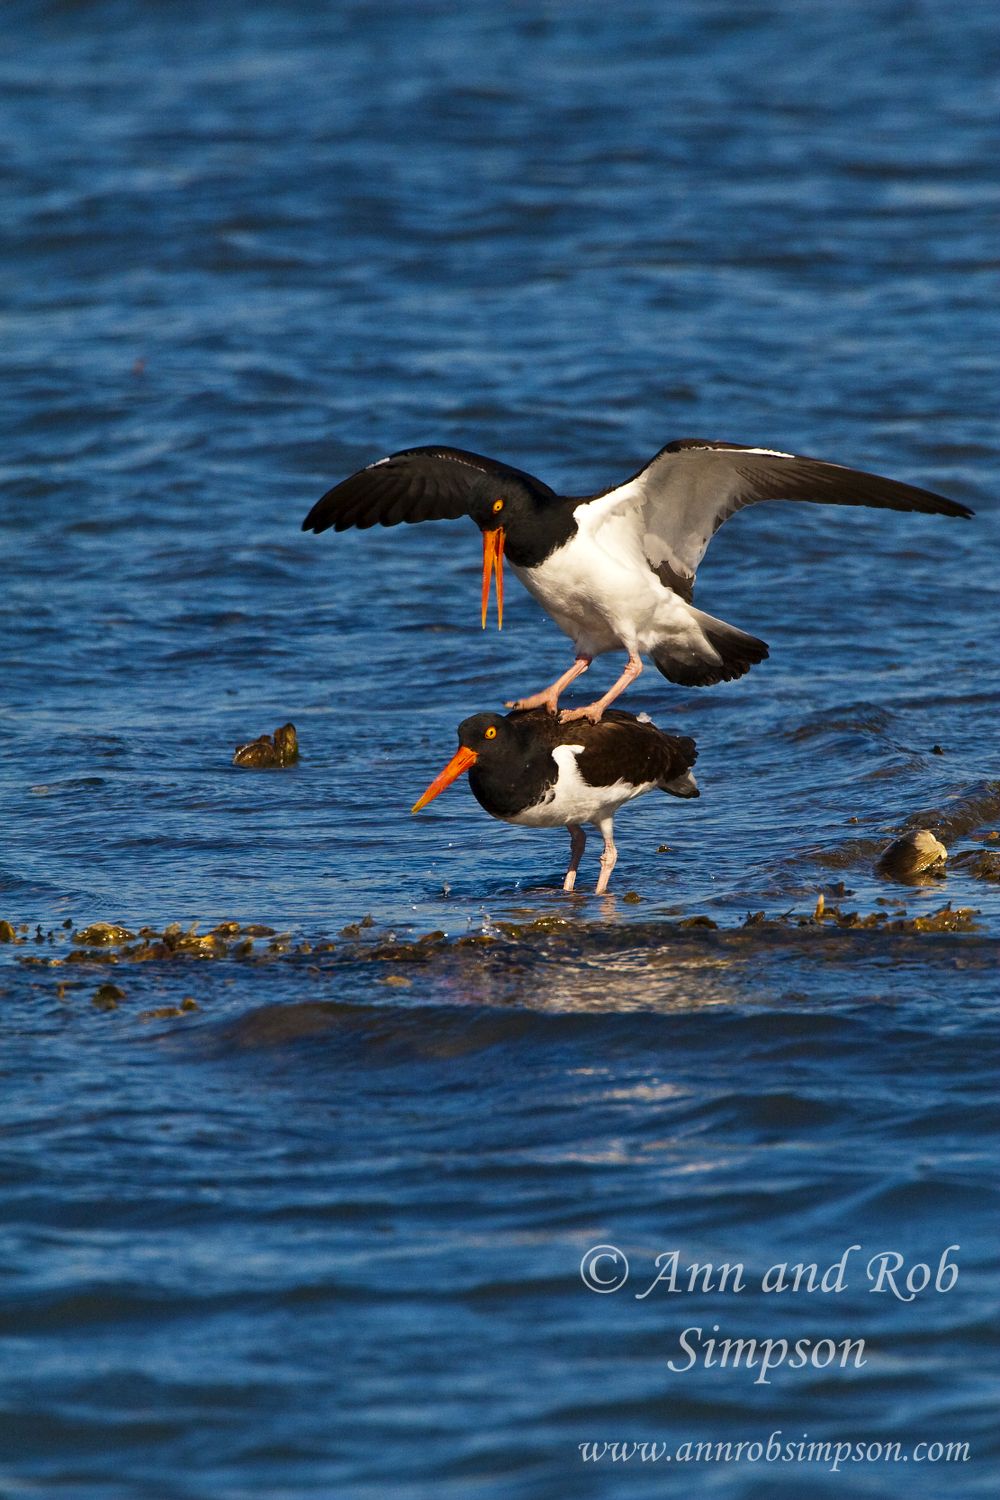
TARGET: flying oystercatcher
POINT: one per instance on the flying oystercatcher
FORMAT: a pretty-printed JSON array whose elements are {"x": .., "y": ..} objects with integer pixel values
[
  {"x": 528, "y": 768},
  {"x": 615, "y": 570}
]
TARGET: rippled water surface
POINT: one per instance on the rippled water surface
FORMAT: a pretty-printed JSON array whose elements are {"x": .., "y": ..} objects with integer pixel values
[{"x": 300, "y": 1209}]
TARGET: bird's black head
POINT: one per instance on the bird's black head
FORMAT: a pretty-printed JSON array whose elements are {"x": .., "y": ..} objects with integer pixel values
[
  {"x": 515, "y": 512},
  {"x": 482, "y": 732},
  {"x": 504, "y": 501},
  {"x": 532, "y": 517},
  {"x": 479, "y": 738},
  {"x": 524, "y": 520}
]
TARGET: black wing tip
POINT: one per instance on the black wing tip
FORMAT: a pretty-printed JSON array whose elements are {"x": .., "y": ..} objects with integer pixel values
[
  {"x": 930, "y": 503},
  {"x": 315, "y": 521},
  {"x": 926, "y": 502}
]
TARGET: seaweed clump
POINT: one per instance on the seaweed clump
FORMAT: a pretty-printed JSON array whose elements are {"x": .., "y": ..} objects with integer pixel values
[
  {"x": 946, "y": 919},
  {"x": 267, "y": 753}
]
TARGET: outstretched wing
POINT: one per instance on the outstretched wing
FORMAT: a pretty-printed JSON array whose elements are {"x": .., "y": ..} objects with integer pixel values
[
  {"x": 418, "y": 484},
  {"x": 682, "y": 497}
]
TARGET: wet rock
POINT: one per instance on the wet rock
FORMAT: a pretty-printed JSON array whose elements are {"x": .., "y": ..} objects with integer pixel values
[
  {"x": 946, "y": 919},
  {"x": 7, "y": 933},
  {"x": 981, "y": 864},
  {"x": 167, "y": 1012},
  {"x": 397, "y": 953},
  {"x": 977, "y": 807},
  {"x": 353, "y": 929},
  {"x": 268, "y": 753},
  {"x": 107, "y": 996},
  {"x": 103, "y": 935},
  {"x": 537, "y": 926},
  {"x": 913, "y": 854}
]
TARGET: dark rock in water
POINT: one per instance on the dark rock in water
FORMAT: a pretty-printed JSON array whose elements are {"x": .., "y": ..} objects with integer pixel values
[
  {"x": 107, "y": 996},
  {"x": 981, "y": 864},
  {"x": 913, "y": 854},
  {"x": 102, "y": 935},
  {"x": 166, "y": 1012},
  {"x": 267, "y": 753}
]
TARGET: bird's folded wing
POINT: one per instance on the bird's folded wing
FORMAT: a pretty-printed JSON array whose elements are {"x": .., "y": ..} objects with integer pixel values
[
  {"x": 623, "y": 745},
  {"x": 418, "y": 484},
  {"x": 682, "y": 497}
]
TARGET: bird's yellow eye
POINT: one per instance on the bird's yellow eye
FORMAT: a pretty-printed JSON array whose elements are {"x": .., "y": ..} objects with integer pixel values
[
  {"x": 491, "y": 733},
  {"x": 497, "y": 506}
]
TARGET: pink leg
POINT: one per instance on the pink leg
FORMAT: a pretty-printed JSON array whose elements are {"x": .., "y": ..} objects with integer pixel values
[
  {"x": 550, "y": 697},
  {"x": 594, "y": 711},
  {"x": 577, "y": 840},
  {"x": 609, "y": 857}
]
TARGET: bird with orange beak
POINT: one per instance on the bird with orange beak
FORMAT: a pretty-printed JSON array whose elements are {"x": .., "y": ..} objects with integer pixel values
[
  {"x": 513, "y": 511},
  {"x": 615, "y": 570},
  {"x": 529, "y": 769}
]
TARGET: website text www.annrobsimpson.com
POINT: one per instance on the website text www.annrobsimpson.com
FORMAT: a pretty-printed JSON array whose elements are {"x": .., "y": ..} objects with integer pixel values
[{"x": 834, "y": 1455}]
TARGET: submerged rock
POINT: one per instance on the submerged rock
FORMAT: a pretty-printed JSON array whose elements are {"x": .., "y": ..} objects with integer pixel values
[
  {"x": 102, "y": 935},
  {"x": 107, "y": 996},
  {"x": 167, "y": 1012},
  {"x": 267, "y": 753},
  {"x": 916, "y": 853},
  {"x": 981, "y": 864}
]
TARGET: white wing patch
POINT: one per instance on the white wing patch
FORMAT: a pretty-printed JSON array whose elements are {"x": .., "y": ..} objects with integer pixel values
[
  {"x": 676, "y": 504},
  {"x": 772, "y": 452},
  {"x": 650, "y": 530},
  {"x": 572, "y": 800}
]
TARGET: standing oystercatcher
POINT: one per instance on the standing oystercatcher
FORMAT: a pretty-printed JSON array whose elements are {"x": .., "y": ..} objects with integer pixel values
[
  {"x": 530, "y": 769},
  {"x": 616, "y": 569}
]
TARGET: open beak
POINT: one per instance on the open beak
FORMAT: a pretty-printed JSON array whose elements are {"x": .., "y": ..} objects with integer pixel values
[
  {"x": 460, "y": 761},
  {"x": 493, "y": 558}
]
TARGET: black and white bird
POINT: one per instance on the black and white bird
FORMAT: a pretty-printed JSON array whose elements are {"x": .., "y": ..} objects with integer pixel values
[
  {"x": 615, "y": 570},
  {"x": 528, "y": 768}
]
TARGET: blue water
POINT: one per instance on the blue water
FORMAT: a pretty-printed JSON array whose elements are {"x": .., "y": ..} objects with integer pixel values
[{"x": 322, "y": 1234}]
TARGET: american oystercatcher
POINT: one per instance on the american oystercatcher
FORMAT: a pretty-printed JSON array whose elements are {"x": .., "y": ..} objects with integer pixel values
[
  {"x": 528, "y": 768},
  {"x": 615, "y": 570}
]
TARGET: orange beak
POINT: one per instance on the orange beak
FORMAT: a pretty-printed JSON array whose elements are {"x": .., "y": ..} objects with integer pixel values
[
  {"x": 493, "y": 558},
  {"x": 460, "y": 761}
]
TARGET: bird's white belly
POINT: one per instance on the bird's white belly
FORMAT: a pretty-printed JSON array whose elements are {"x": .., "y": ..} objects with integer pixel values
[
  {"x": 571, "y": 800},
  {"x": 602, "y": 600}
]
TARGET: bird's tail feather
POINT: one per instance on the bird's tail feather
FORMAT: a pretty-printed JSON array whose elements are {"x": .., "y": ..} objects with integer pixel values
[
  {"x": 681, "y": 786},
  {"x": 727, "y": 653}
]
